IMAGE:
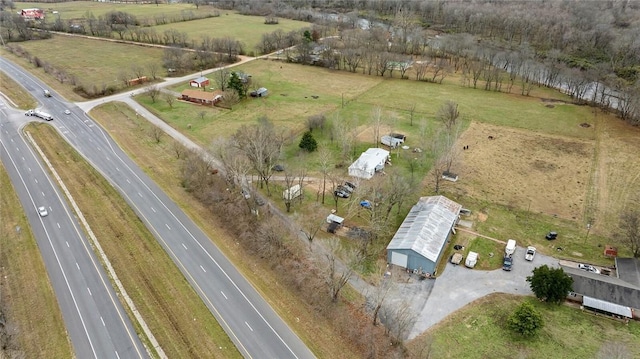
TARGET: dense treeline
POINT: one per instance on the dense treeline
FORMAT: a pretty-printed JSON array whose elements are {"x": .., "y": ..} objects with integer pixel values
[{"x": 590, "y": 50}]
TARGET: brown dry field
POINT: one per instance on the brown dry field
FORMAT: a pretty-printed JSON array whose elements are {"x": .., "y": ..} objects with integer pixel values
[
  {"x": 572, "y": 178},
  {"x": 561, "y": 176},
  {"x": 523, "y": 168}
]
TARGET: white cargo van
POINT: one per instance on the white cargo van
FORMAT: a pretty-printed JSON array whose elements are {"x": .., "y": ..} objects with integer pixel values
[
  {"x": 472, "y": 259},
  {"x": 511, "y": 247}
]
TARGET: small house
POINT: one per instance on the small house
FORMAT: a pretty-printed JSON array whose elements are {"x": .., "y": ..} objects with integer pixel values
[
  {"x": 201, "y": 97},
  {"x": 200, "y": 82},
  {"x": 369, "y": 162}
]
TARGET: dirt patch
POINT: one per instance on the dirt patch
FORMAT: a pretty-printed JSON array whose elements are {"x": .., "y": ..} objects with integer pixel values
[
  {"x": 365, "y": 133},
  {"x": 526, "y": 170}
]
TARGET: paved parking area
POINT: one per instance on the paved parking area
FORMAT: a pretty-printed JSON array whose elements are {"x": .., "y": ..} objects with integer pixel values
[{"x": 459, "y": 286}]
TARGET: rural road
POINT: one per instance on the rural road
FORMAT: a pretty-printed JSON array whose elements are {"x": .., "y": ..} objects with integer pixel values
[
  {"x": 96, "y": 322},
  {"x": 253, "y": 326}
]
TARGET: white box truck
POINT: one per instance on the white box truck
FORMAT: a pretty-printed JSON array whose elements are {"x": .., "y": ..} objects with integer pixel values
[
  {"x": 472, "y": 259},
  {"x": 511, "y": 247}
]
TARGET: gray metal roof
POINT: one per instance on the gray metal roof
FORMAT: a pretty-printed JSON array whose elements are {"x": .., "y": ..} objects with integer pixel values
[
  {"x": 607, "y": 307},
  {"x": 427, "y": 226},
  {"x": 609, "y": 289},
  {"x": 628, "y": 270}
]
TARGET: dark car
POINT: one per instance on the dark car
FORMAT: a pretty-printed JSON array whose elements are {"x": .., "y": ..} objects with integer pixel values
[
  {"x": 507, "y": 263},
  {"x": 350, "y": 185},
  {"x": 278, "y": 168},
  {"x": 341, "y": 193},
  {"x": 551, "y": 235}
]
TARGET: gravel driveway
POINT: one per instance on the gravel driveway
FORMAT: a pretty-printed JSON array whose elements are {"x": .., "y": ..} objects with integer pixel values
[{"x": 459, "y": 286}]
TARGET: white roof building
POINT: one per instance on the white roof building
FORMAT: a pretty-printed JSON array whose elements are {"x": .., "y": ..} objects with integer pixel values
[
  {"x": 368, "y": 163},
  {"x": 419, "y": 241}
]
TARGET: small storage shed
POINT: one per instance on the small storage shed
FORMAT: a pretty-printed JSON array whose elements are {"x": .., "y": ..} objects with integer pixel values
[
  {"x": 199, "y": 82},
  {"x": 332, "y": 218},
  {"x": 391, "y": 141},
  {"x": 261, "y": 92},
  {"x": 368, "y": 163},
  {"x": 420, "y": 240}
]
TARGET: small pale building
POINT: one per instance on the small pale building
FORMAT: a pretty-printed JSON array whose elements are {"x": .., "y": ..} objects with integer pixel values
[{"x": 369, "y": 162}]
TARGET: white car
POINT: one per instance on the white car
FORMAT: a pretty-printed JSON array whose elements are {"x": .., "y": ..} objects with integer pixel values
[
  {"x": 530, "y": 253},
  {"x": 67, "y": 112},
  {"x": 589, "y": 268},
  {"x": 42, "y": 211}
]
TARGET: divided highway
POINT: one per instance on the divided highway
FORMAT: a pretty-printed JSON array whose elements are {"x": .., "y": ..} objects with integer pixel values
[
  {"x": 254, "y": 327},
  {"x": 95, "y": 320}
]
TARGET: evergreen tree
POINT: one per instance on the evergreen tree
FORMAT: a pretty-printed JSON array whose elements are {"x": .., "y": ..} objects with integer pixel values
[
  {"x": 235, "y": 83},
  {"x": 308, "y": 143}
]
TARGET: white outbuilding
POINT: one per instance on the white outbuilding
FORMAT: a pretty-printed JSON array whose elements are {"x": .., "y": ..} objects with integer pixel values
[{"x": 369, "y": 162}]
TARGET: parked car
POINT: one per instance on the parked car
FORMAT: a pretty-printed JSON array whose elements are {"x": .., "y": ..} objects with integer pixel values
[
  {"x": 530, "y": 253},
  {"x": 551, "y": 236},
  {"x": 588, "y": 268},
  {"x": 278, "y": 168},
  {"x": 507, "y": 263},
  {"x": 350, "y": 185},
  {"x": 42, "y": 211},
  {"x": 340, "y": 193}
]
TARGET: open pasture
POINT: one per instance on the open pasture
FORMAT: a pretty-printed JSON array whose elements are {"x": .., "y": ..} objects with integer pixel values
[{"x": 78, "y": 9}]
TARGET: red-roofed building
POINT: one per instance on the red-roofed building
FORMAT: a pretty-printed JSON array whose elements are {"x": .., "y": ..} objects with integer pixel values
[
  {"x": 32, "y": 14},
  {"x": 202, "y": 97}
]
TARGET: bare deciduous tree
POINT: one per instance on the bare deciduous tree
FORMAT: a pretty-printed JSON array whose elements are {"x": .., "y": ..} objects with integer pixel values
[
  {"x": 325, "y": 162},
  {"x": 170, "y": 99},
  {"x": 222, "y": 79},
  {"x": 262, "y": 144},
  {"x": 236, "y": 164},
  {"x": 628, "y": 233},
  {"x": 337, "y": 275},
  {"x": 178, "y": 149},
  {"x": 156, "y": 133},
  {"x": 309, "y": 226},
  {"x": 153, "y": 92},
  {"x": 398, "y": 319}
]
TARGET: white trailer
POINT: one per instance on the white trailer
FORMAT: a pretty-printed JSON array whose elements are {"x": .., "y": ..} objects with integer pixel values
[
  {"x": 472, "y": 259},
  {"x": 511, "y": 247},
  {"x": 41, "y": 114}
]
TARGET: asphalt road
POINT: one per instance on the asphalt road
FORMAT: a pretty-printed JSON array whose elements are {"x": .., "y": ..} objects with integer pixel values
[
  {"x": 96, "y": 322},
  {"x": 254, "y": 327}
]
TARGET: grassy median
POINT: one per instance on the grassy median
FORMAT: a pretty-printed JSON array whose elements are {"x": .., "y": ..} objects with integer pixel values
[{"x": 176, "y": 315}]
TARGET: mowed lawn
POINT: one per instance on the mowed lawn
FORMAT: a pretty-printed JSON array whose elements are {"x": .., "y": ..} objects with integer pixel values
[
  {"x": 246, "y": 29},
  {"x": 479, "y": 331},
  {"x": 92, "y": 62},
  {"x": 295, "y": 93}
]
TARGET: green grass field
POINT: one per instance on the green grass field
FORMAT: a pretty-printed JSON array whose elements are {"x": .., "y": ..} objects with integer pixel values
[
  {"x": 79, "y": 9},
  {"x": 246, "y": 29},
  {"x": 478, "y": 331},
  {"x": 16, "y": 93},
  {"x": 28, "y": 305},
  {"x": 95, "y": 62}
]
